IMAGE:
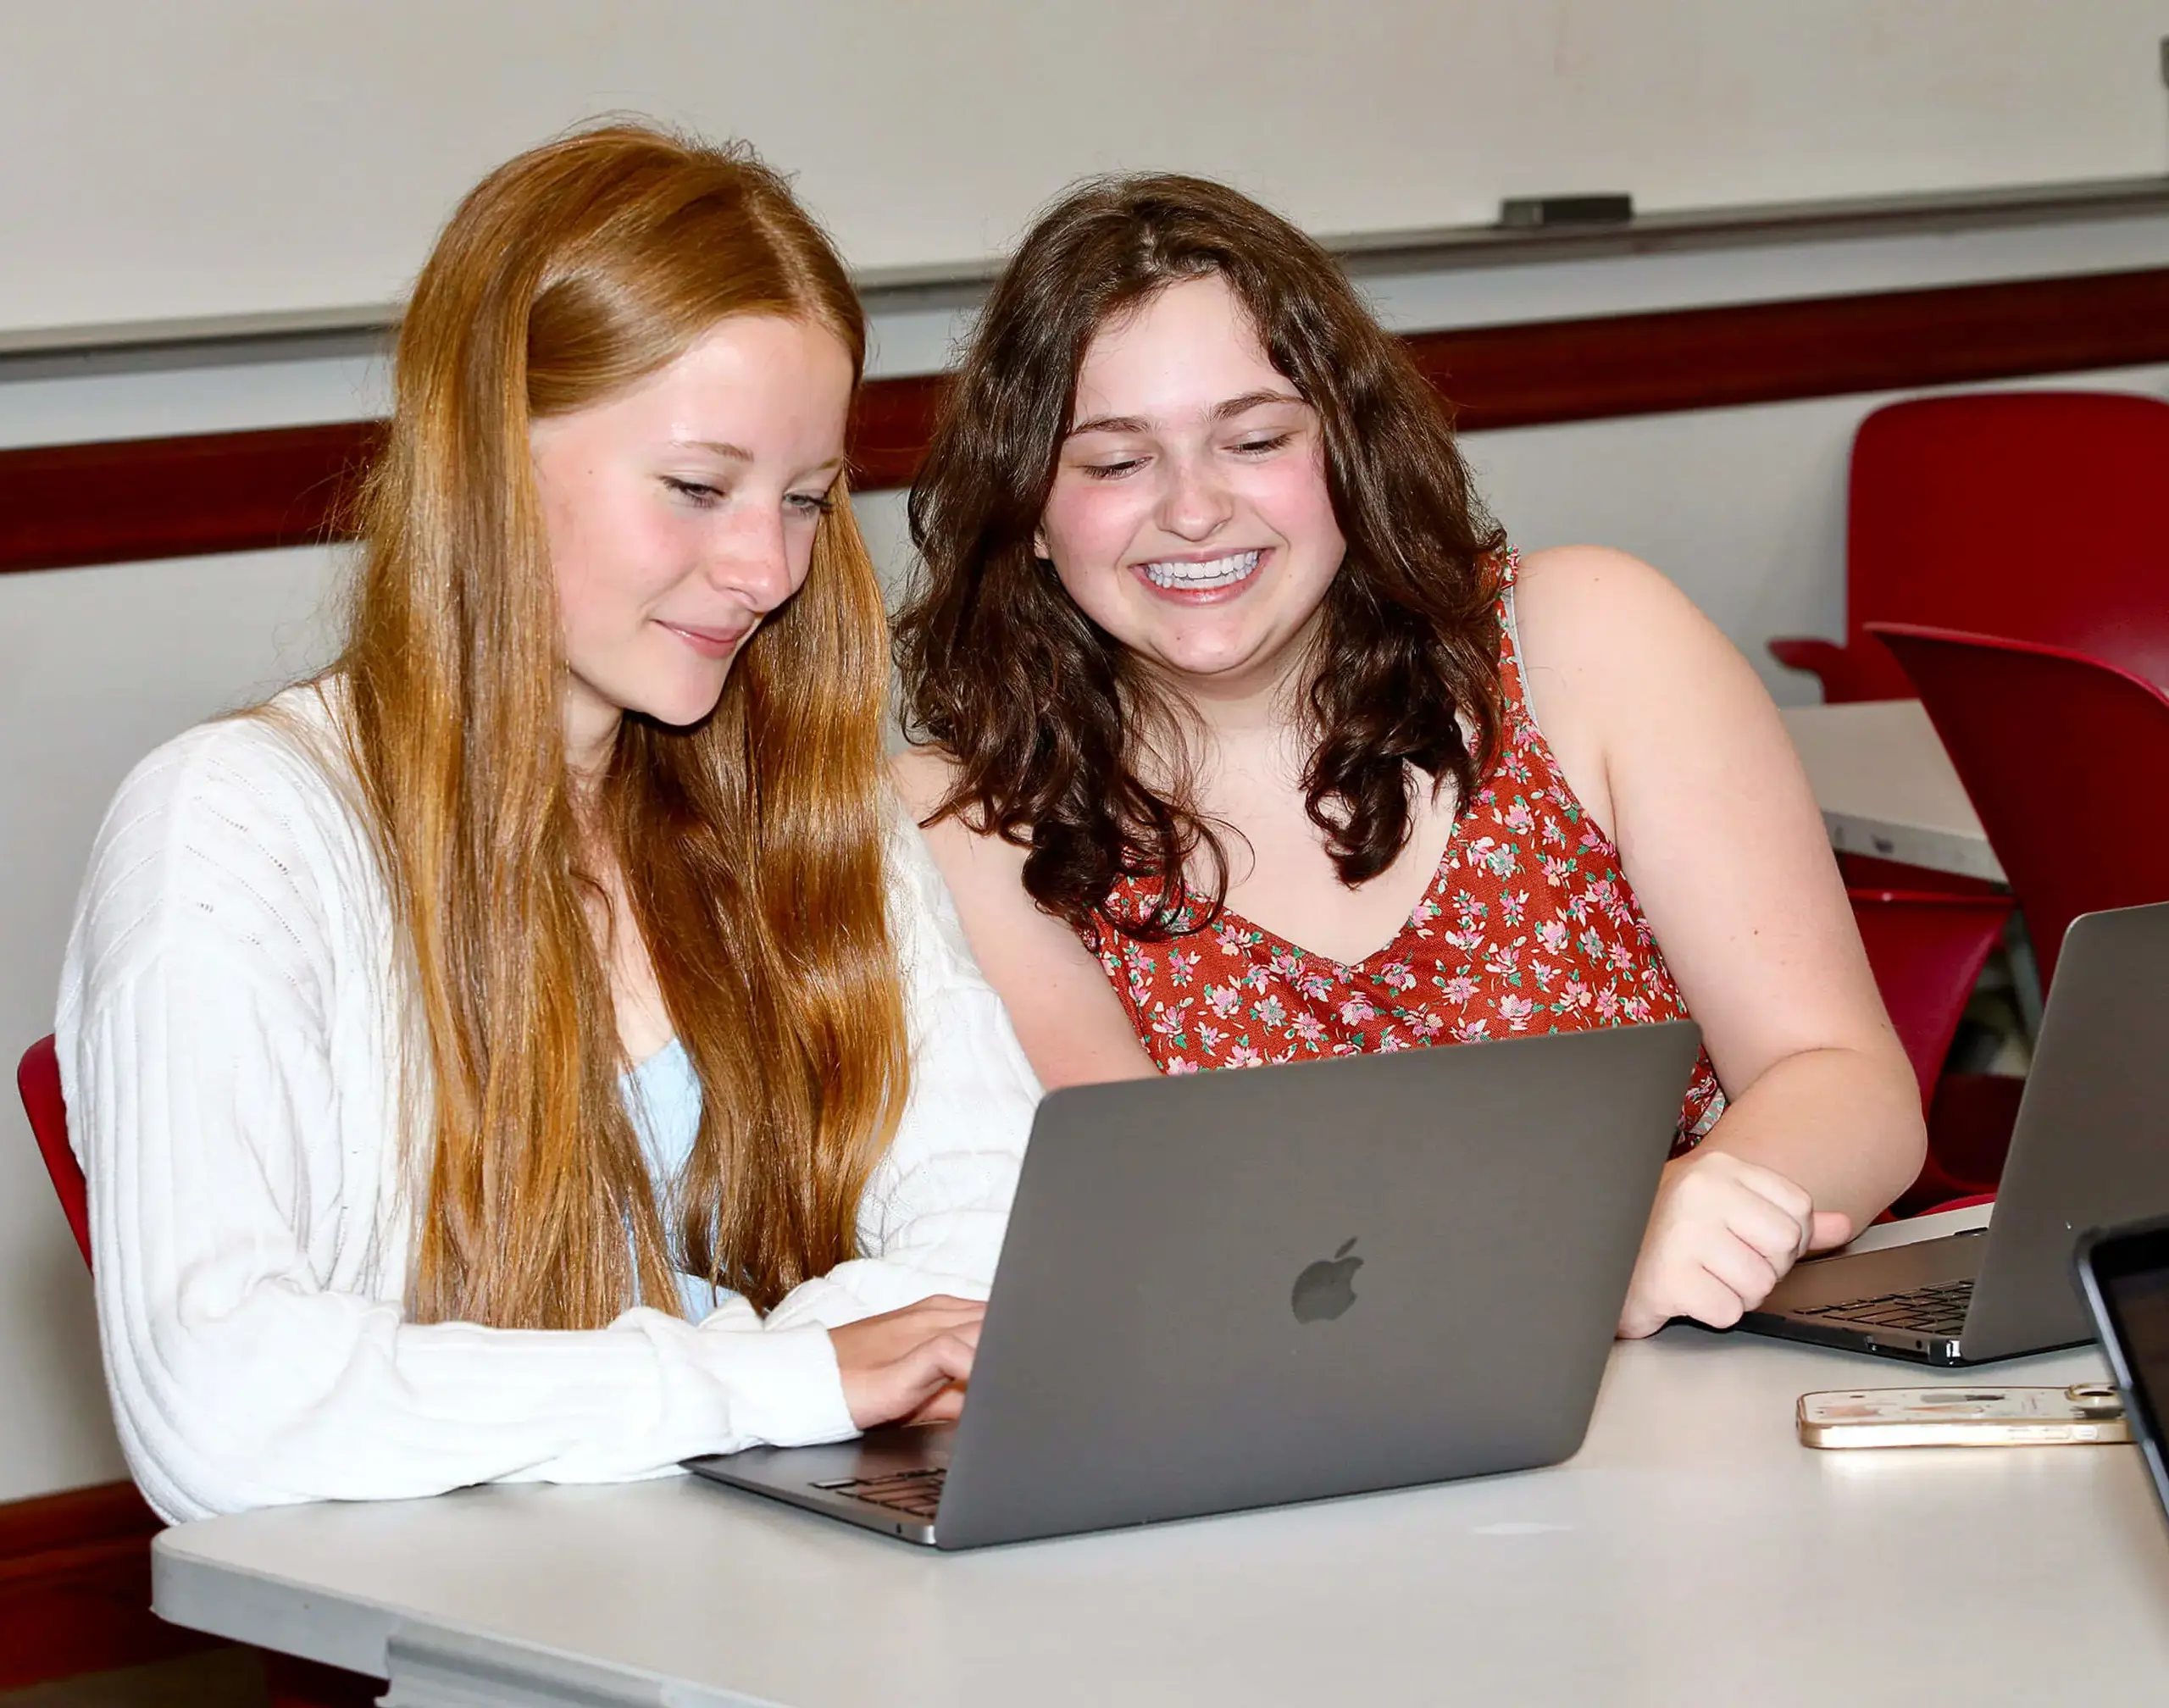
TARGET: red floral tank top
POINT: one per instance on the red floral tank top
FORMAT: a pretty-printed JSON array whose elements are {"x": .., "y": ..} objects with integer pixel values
[{"x": 1529, "y": 925}]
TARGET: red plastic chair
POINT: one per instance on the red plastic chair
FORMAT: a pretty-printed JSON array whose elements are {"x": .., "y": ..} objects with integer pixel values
[
  {"x": 1927, "y": 950},
  {"x": 38, "y": 1079},
  {"x": 2066, "y": 759},
  {"x": 290, "y": 1682},
  {"x": 2032, "y": 514}
]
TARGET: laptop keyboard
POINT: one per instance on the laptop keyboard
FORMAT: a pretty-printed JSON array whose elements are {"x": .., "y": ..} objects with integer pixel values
[
  {"x": 1937, "y": 1310},
  {"x": 917, "y": 1492}
]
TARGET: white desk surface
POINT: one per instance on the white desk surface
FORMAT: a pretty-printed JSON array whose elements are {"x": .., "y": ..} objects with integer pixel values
[
  {"x": 1694, "y": 1552},
  {"x": 1887, "y": 788}
]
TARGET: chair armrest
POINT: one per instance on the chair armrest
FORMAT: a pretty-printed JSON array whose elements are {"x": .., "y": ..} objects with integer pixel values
[
  {"x": 1819, "y": 657},
  {"x": 1847, "y": 673}
]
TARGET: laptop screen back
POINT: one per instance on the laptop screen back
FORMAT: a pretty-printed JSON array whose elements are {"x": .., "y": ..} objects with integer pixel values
[
  {"x": 2087, "y": 1150},
  {"x": 2131, "y": 1273}
]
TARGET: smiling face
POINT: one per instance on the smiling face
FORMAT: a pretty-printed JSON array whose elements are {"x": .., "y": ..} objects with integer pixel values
[
  {"x": 683, "y": 510},
  {"x": 1189, "y": 516}
]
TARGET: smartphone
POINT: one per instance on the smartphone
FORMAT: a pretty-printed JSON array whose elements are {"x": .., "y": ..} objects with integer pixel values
[
  {"x": 2124, "y": 1273},
  {"x": 2084, "y": 1414}
]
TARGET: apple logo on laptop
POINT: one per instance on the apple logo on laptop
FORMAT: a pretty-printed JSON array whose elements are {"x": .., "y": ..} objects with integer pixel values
[{"x": 1326, "y": 1289}]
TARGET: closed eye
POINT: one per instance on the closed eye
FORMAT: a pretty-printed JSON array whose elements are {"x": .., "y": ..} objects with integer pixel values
[
  {"x": 1112, "y": 471},
  {"x": 1259, "y": 447},
  {"x": 695, "y": 492}
]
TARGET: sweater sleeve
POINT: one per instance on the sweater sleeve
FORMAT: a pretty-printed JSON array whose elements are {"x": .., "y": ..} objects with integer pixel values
[
  {"x": 938, "y": 1204},
  {"x": 202, "y": 1100}
]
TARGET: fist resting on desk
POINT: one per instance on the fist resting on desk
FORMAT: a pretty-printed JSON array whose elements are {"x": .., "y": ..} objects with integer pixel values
[{"x": 1722, "y": 1234}]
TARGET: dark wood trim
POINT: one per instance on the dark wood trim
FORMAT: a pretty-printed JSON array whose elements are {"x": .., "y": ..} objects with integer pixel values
[
  {"x": 75, "y": 1518},
  {"x": 1768, "y": 353},
  {"x": 127, "y": 500},
  {"x": 890, "y": 425},
  {"x": 75, "y": 1587},
  {"x": 75, "y": 1599},
  {"x": 133, "y": 500}
]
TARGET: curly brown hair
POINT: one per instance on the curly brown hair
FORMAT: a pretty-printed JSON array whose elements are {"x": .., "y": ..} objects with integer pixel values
[{"x": 1043, "y": 712}]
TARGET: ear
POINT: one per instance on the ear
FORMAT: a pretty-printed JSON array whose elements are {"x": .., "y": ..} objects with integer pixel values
[{"x": 1040, "y": 544}]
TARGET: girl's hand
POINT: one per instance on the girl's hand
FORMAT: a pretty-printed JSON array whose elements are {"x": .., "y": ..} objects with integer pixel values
[
  {"x": 1720, "y": 1235},
  {"x": 909, "y": 1366}
]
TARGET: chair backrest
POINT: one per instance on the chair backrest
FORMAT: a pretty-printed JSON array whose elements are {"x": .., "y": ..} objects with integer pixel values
[
  {"x": 1927, "y": 950},
  {"x": 2065, "y": 757},
  {"x": 2035, "y": 515},
  {"x": 38, "y": 1079}
]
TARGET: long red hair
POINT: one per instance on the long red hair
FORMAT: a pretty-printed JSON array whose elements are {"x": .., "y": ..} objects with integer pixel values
[{"x": 750, "y": 845}]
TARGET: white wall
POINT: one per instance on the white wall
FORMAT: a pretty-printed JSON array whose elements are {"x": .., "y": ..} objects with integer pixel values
[
  {"x": 226, "y": 156},
  {"x": 1743, "y": 507}
]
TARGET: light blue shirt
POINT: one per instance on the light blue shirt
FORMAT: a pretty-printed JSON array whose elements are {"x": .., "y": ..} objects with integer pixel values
[{"x": 663, "y": 1094}]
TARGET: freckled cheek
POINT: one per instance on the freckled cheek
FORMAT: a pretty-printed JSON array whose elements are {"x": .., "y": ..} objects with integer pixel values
[
  {"x": 582, "y": 593},
  {"x": 801, "y": 556},
  {"x": 612, "y": 570}
]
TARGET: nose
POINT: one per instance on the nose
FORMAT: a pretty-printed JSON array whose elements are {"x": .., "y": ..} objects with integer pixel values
[
  {"x": 752, "y": 561},
  {"x": 1195, "y": 503}
]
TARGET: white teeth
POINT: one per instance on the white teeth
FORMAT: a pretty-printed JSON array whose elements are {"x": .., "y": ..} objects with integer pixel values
[{"x": 1219, "y": 572}]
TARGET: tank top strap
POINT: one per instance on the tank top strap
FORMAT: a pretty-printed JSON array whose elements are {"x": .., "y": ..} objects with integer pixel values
[{"x": 1505, "y": 568}]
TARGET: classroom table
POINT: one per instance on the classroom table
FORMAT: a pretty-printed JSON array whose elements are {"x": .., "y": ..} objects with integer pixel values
[
  {"x": 1887, "y": 788},
  {"x": 1692, "y": 1552}
]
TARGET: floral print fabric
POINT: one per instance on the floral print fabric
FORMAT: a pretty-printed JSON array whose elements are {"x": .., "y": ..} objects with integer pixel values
[{"x": 1529, "y": 925}]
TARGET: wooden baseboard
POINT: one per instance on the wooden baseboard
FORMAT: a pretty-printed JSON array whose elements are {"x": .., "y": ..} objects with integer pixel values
[
  {"x": 75, "y": 1587},
  {"x": 75, "y": 1599}
]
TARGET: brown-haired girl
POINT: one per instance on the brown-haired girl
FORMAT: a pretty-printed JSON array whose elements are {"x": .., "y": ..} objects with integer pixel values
[
  {"x": 1251, "y": 740},
  {"x": 540, "y": 1047}
]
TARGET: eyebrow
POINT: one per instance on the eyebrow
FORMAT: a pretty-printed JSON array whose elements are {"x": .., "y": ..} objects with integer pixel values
[
  {"x": 738, "y": 453},
  {"x": 1219, "y": 412}
]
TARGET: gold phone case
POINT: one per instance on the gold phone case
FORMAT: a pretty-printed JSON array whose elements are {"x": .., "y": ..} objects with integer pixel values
[{"x": 2084, "y": 1415}]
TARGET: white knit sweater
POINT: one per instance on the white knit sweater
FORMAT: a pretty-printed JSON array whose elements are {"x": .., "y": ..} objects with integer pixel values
[{"x": 227, "y": 1043}]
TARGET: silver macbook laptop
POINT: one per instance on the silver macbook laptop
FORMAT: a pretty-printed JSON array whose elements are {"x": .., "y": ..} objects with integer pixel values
[
  {"x": 1240, "y": 1289},
  {"x": 2091, "y": 1147}
]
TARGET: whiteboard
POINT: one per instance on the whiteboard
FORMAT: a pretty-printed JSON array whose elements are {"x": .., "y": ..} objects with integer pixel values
[{"x": 177, "y": 159}]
